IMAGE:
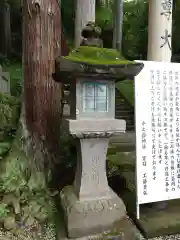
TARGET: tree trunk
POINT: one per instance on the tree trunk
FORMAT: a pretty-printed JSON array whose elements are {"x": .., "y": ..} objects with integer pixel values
[
  {"x": 5, "y": 27},
  {"x": 85, "y": 12},
  {"x": 41, "y": 46},
  {"x": 23, "y": 171},
  {"x": 64, "y": 44}
]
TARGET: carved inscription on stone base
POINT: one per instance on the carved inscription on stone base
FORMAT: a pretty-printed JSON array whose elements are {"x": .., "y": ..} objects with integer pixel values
[{"x": 90, "y": 217}]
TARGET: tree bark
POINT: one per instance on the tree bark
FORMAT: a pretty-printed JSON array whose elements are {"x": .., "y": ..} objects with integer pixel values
[
  {"x": 41, "y": 46},
  {"x": 85, "y": 12}
]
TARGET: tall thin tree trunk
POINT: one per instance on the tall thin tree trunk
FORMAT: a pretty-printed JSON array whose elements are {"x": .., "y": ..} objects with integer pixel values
[
  {"x": 5, "y": 27},
  {"x": 85, "y": 12},
  {"x": 64, "y": 44}
]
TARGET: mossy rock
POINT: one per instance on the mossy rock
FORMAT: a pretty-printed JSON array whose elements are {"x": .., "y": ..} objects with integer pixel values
[{"x": 96, "y": 55}]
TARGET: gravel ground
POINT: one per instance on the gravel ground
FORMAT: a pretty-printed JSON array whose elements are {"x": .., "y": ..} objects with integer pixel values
[{"x": 170, "y": 237}]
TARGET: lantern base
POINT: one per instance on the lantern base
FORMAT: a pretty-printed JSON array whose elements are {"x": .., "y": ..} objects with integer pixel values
[{"x": 91, "y": 217}]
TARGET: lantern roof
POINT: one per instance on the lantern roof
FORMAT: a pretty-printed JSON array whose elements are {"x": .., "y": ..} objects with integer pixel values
[{"x": 92, "y": 60}]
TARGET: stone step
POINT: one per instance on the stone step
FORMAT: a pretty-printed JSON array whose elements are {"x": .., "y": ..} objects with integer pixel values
[
  {"x": 123, "y": 106},
  {"x": 129, "y": 122},
  {"x": 130, "y": 128},
  {"x": 124, "y": 110},
  {"x": 124, "y": 116},
  {"x": 120, "y": 115}
]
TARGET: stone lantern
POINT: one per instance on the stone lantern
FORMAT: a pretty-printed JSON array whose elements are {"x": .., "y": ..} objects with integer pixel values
[{"x": 90, "y": 206}]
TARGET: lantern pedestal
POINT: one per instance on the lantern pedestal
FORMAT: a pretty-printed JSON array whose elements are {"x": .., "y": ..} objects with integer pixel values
[{"x": 90, "y": 205}]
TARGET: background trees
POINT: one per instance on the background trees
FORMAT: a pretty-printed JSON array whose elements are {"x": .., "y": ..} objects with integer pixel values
[{"x": 134, "y": 27}]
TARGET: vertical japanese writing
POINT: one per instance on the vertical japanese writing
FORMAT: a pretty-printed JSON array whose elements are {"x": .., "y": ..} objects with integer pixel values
[
  {"x": 153, "y": 122},
  {"x": 166, "y": 11},
  {"x": 166, "y": 8},
  {"x": 171, "y": 133},
  {"x": 166, "y": 39},
  {"x": 177, "y": 138},
  {"x": 165, "y": 129},
  {"x": 159, "y": 120},
  {"x": 144, "y": 157},
  {"x": 95, "y": 172}
]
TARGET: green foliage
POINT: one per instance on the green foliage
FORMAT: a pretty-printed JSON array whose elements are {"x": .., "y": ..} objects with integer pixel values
[
  {"x": 3, "y": 210},
  {"x": 127, "y": 90},
  {"x": 176, "y": 28},
  {"x": 38, "y": 206},
  {"x": 135, "y": 24},
  {"x": 6, "y": 99},
  {"x": 9, "y": 115},
  {"x": 135, "y": 34},
  {"x": 5, "y": 115},
  {"x": 104, "y": 16},
  {"x": 11, "y": 179},
  {"x": 29, "y": 189}
]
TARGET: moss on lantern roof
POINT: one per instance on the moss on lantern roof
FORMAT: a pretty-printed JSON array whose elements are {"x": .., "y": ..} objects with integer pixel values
[{"x": 97, "y": 56}]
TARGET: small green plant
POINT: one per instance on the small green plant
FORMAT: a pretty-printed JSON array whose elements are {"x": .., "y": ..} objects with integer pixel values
[{"x": 3, "y": 210}]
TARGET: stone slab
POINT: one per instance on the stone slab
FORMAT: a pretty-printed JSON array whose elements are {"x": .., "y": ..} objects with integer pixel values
[
  {"x": 124, "y": 230},
  {"x": 90, "y": 217},
  {"x": 95, "y": 125}
]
